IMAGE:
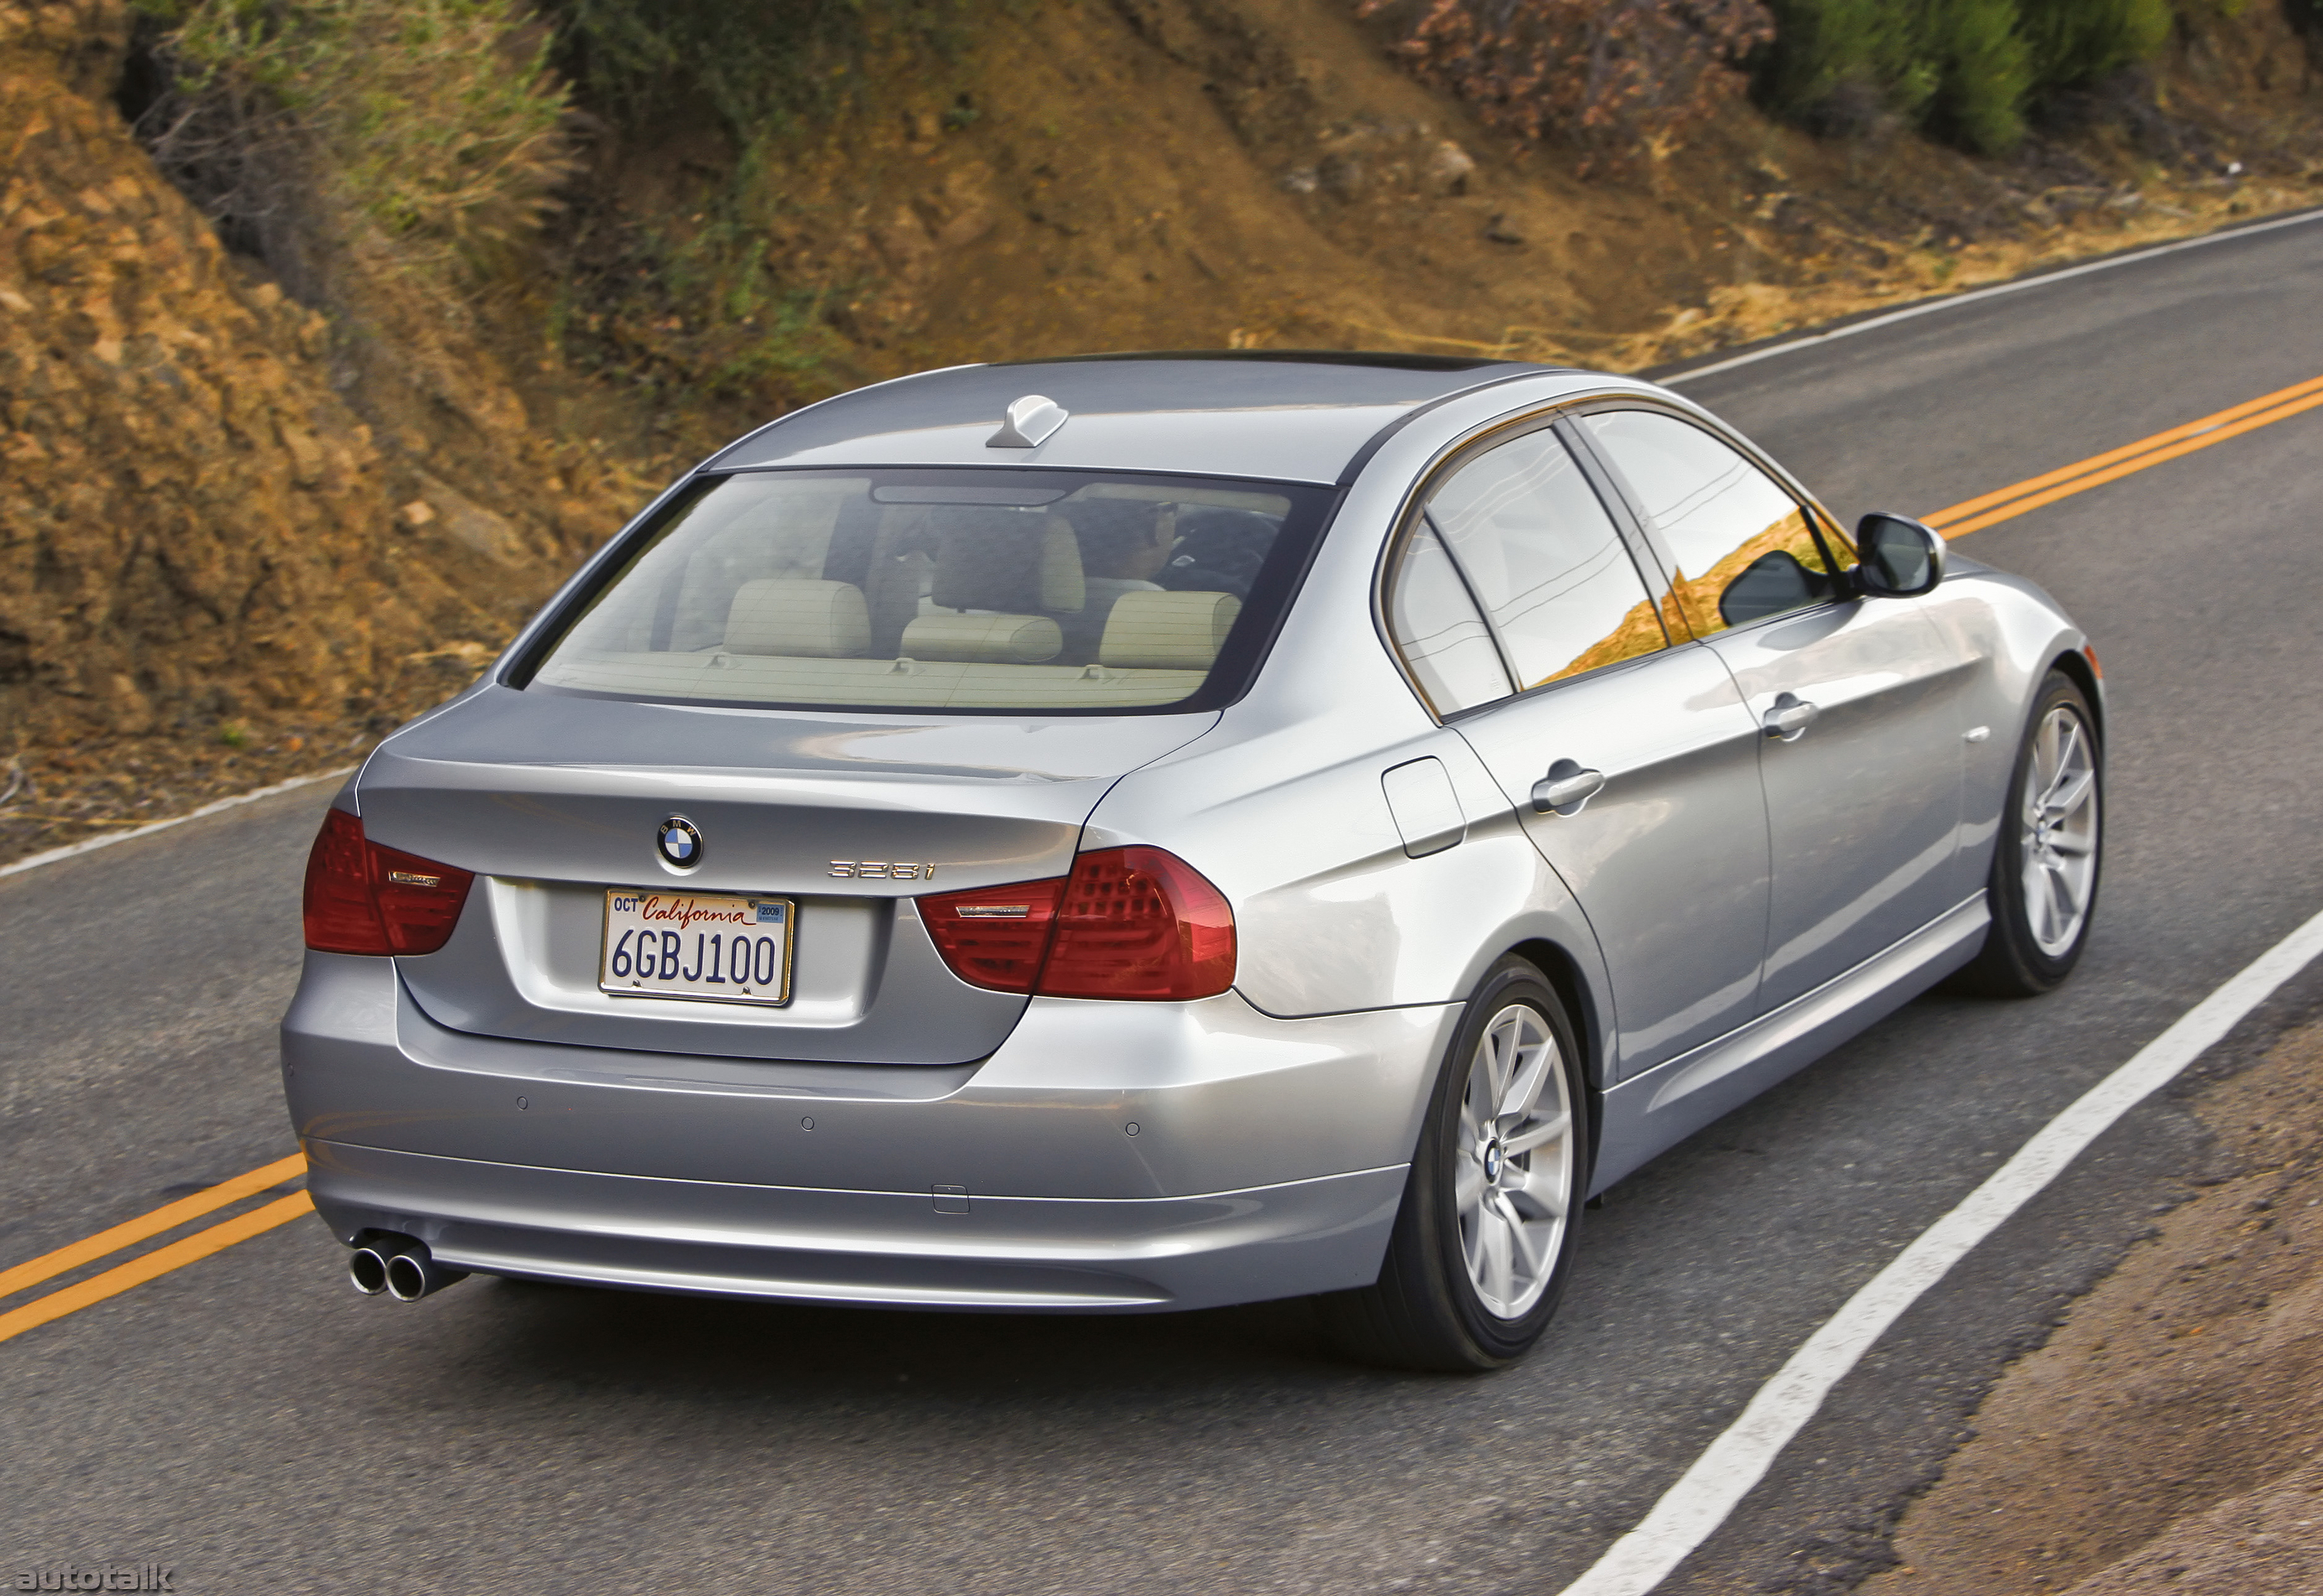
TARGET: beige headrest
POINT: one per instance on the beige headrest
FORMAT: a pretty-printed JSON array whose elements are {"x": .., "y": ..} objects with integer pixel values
[
  {"x": 1164, "y": 631},
  {"x": 814, "y": 619},
  {"x": 1007, "y": 560},
  {"x": 990, "y": 639}
]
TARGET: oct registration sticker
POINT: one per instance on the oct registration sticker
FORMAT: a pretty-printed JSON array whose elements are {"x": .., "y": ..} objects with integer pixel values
[{"x": 708, "y": 946}]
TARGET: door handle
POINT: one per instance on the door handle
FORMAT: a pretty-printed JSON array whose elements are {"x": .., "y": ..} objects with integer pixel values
[
  {"x": 1565, "y": 788},
  {"x": 1789, "y": 718}
]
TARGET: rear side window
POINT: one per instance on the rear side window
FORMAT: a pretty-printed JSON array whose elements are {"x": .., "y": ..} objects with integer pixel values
[
  {"x": 1741, "y": 548},
  {"x": 1545, "y": 561},
  {"x": 990, "y": 590},
  {"x": 1438, "y": 630},
  {"x": 1514, "y": 577}
]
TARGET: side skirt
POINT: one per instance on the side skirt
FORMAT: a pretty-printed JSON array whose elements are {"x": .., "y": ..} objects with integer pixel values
[{"x": 1668, "y": 1104}]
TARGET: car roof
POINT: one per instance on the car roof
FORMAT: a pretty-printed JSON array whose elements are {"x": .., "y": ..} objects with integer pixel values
[{"x": 1287, "y": 415}]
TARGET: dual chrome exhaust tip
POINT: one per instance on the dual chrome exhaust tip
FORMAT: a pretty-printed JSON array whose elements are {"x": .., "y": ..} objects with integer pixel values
[{"x": 400, "y": 1266}]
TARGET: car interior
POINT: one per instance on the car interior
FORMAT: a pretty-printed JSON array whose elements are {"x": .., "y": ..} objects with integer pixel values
[{"x": 826, "y": 590}]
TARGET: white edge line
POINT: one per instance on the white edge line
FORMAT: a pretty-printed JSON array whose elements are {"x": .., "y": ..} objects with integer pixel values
[
  {"x": 1953, "y": 301},
  {"x": 90, "y": 845},
  {"x": 1695, "y": 1507}
]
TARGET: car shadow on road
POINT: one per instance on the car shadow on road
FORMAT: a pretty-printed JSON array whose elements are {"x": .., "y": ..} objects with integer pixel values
[{"x": 708, "y": 1347}]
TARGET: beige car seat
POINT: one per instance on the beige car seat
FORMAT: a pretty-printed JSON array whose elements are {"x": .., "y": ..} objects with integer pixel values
[
  {"x": 814, "y": 620},
  {"x": 1168, "y": 632},
  {"x": 1001, "y": 577}
]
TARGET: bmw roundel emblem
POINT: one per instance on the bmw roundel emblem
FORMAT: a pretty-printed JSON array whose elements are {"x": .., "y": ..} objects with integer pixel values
[{"x": 680, "y": 844}]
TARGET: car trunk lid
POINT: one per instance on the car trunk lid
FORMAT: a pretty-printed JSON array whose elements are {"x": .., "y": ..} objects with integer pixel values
[{"x": 553, "y": 801}]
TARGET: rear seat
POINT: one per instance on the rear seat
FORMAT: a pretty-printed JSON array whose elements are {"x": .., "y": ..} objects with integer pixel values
[
  {"x": 1000, "y": 579},
  {"x": 1167, "y": 631},
  {"x": 982, "y": 637},
  {"x": 808, "y": 620},
  {"x": 796, "y": 640}
]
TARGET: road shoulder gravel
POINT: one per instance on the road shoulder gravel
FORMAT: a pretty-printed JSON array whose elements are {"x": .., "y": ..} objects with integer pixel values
[{"x": 2166, "y": 1437}]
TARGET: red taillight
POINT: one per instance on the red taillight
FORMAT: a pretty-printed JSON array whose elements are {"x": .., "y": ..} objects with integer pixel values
[
  {"x": 363, "y": 898},
  {"x": 1139, "y": 922},
  {"x": 1128, "y": 922}
]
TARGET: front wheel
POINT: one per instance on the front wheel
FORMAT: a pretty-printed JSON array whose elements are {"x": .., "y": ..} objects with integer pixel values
[
  {"x": 1484, "y": 1239},
  {"x": 2043, "y": 887}
]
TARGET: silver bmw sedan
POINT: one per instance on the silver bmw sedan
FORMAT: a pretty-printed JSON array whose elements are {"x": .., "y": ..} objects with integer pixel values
[{"x": 1149, "y": 832}]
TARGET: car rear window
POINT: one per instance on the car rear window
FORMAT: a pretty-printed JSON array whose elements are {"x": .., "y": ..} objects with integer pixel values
[{"x": 978, "y": 590}]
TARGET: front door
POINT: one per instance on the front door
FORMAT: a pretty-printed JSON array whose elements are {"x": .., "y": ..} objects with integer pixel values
[
  {"x": 1568, "y": 678},
  {"x": 1858, "y": 700}
]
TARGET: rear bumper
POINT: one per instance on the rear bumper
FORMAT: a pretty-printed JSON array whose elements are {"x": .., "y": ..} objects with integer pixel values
[
  {"x": 1267, "y": 1160},
  {"x": 870, "y": 1248}
]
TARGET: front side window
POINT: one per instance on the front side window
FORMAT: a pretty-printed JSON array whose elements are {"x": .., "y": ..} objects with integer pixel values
[
  {"x": 978, "y": 590},
  {"x": 1741, "y": 548}
]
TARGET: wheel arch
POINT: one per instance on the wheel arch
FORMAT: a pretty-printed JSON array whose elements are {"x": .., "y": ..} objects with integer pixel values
[
  {"x": 1566, "y": 979},
  {"x": 2074, "y": 662}
]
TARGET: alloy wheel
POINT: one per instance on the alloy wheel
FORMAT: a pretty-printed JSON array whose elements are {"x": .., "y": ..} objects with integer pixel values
[
  {"x": 2061, "y": 831},
  {"x": 1513, "y": 1165}
]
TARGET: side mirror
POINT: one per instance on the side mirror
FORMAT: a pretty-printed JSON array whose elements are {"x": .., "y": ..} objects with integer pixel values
[{"x": 1901, "y": 556}]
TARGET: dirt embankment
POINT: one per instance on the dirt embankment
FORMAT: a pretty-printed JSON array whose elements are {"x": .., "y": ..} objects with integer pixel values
[
  {"x": 213, "y": 567},
  {"x": 245, "y": 534},
  {"x": 2169, "y": 1438},
  {"x": 1201, "y": 173}
]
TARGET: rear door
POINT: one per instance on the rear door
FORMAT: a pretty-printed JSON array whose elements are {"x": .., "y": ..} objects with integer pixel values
[
  {"x": 1858, "y": 700},
  {"x": 1517, "y": 602}
]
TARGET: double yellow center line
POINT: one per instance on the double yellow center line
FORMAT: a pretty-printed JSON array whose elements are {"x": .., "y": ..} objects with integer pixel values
[
  {"x": 1974, "y": 515},
  {"x": 1957, "y": 521},
  {"x": 161, "y": 1260}
]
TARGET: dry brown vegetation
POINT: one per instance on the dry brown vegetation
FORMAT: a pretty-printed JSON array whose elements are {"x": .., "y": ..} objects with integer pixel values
[
  {"x": 267, "y": 500},
  {"x": 1620, "y": 79}
]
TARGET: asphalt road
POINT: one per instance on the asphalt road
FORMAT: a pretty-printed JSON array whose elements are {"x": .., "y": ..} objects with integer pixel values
[{"x": 254, "y": 1423}]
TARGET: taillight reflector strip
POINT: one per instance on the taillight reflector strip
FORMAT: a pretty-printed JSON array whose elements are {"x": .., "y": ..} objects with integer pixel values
[{"x": 363, "y": 898}]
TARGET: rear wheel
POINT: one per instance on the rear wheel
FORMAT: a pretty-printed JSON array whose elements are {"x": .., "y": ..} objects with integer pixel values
[
  {"x": 1484, "y": 1239},
  {"x": 2044, "y": 889}
]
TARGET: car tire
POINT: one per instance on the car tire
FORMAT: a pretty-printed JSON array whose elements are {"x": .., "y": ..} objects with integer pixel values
[
  {"x": 2043, "y": 891},
  {"x": 1484, "y": 1239}
]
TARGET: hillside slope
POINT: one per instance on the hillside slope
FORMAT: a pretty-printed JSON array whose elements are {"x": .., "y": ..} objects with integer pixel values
[
  {"x": 246, "y": 533},
  {"x": 1197, "y": 173}
]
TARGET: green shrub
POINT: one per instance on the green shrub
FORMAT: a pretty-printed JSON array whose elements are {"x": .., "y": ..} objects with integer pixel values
[
  {"x": 1983, "y": 72},
  {"x": 1964, "y": 69},
  {"x": 435, "y": 121},
  {"x": 761, "y": 64},
  {"x": 684, "y": 310},
  {"x": 1832, "y": 55},
  {"x": 2079, "y": 41}
]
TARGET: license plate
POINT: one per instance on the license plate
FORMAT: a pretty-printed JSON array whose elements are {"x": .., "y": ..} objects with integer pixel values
[{"x": 713, "y": 946}]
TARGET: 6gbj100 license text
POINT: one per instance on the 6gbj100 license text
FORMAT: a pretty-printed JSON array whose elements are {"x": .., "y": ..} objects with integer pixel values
[{"x": 145, "y": 1576}]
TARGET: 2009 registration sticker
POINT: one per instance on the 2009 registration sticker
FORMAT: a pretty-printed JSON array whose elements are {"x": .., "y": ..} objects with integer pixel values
[{"x": 717, "y": 947}]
